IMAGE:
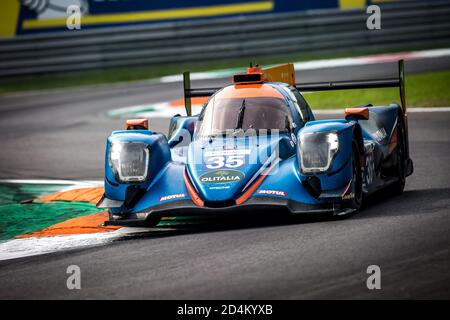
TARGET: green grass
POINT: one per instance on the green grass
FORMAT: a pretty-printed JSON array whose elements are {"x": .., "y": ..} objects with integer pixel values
[
  {"x": 76, "y": 79},
  {"x": 422, "y": 90},
  {"x": 18, "y": 218}
]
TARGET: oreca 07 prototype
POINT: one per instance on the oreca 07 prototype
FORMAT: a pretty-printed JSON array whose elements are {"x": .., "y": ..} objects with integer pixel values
[{"x": 257, "y": 145}]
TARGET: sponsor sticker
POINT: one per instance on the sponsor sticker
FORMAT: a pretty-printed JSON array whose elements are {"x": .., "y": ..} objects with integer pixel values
[
  {"x": 294, "y": 138},
  {"x": 272, "y": 192},
  {"x": 172, "y": 196},
  {"x": 227, "y": 152},
  {"x": 348, "y": 196},
  {"x": 220, "y": 187},
  {"x": 221, "y": 176},
  {"x": 380, "y": 134}
]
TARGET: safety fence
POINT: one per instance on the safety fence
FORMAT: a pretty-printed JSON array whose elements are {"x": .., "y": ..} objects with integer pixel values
[{"x": 403, "y": 24}]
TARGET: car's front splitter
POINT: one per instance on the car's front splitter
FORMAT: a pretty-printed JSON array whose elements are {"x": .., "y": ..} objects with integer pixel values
[{"x": 253, "y": 206}]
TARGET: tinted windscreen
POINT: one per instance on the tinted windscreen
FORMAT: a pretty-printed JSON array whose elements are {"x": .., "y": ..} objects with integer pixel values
[{"x": 222, "y": 115}]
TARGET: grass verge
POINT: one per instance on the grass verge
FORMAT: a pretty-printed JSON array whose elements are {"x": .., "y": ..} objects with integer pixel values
[
  {"x": 431, "y": 89},
  {"x": 17, "y": 218}
]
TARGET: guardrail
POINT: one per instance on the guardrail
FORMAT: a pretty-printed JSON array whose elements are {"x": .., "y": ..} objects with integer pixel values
[{"x": 402, "y": 25}]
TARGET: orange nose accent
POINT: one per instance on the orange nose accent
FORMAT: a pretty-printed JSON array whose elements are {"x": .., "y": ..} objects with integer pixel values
[
  {"x": 131, "y": 123},
  {"x": 92, "y": 223},
  {"x": 194, "y": 196},
  {"x": 247, "y": 194}
]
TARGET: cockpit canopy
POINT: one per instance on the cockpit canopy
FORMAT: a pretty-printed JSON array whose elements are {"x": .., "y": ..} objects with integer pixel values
[{"x": 246, "y": 111}]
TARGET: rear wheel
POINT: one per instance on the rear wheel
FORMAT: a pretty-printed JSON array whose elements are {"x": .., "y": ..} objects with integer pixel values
[
  {"x": 357, "y": 192},
  {"x": 400, "y": 163}
]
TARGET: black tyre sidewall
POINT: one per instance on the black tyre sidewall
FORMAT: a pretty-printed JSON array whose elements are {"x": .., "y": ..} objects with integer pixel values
[
  {"x": 357, "y": 178},
  {"x": 400, "y": 161}
]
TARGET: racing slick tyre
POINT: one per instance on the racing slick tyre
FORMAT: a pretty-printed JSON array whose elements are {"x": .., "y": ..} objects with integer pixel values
[
  {"x": 400, "y": 163},
  {"x": 357, "y": 189}
]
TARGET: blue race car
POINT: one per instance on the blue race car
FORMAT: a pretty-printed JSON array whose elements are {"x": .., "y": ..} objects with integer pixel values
[{"x": 256, "y": 145}]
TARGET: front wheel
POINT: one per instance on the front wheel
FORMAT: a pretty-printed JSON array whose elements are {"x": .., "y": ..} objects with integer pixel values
[
  {"x": 355, "y": 202},
  {"x": 151, "y": 221}
]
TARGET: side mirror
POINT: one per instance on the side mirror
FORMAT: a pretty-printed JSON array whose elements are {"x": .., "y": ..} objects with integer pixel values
[
  {"x": 136, "y": 124},
  {"x": 357, "y": 113}
]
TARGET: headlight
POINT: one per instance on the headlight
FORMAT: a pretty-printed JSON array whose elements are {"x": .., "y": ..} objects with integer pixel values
[
  {"x": 129, "y": 161},
  {"x": 316, "y": 151}
]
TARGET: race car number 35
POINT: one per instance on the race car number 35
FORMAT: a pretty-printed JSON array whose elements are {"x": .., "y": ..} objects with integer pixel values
[
  {"x": 226, "y": 158},
  {"x": 225, "y": 161}
]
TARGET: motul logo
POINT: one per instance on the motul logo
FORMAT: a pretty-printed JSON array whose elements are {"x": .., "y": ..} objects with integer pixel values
[
  {"x": 172, "y": 196},
  {"x": 273, "y": 192}
]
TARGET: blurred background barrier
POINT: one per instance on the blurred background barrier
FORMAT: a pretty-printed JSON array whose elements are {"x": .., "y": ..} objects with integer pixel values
[
  {"x": 403, "y": 25},
  {"x": 37, "y": 16}
]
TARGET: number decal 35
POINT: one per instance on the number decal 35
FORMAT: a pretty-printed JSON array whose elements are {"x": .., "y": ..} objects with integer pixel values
[{"x": 225, "y": 161}]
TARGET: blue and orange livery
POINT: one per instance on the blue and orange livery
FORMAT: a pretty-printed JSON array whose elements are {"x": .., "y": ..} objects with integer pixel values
[{"x": 257, "y": 145}]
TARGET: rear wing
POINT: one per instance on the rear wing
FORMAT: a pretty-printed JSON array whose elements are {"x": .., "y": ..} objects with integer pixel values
[
  {"x": 317, "y": 86},
  {"x": 362, "y": 84}
]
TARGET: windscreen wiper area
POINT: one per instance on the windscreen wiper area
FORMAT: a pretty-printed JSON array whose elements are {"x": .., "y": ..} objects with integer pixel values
[{"x": 240, "y": 119}]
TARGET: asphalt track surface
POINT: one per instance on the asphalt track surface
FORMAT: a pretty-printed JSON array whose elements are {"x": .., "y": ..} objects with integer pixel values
[{"x": 61, "y": 135}]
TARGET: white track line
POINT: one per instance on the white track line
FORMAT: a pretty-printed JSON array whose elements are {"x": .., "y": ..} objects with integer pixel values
[
  {"x": 425, "y": 110},
  {"x": 326, "y": 63},
  {"x": 373, "y": 59},
  {"x": 19, "y": 248},
  {"x": 49, "y": 181},
  {"x": 66, "y": 185}
]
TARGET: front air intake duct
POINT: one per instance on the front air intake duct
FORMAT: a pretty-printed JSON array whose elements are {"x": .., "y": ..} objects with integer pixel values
[{"x": 313, "y": 186}]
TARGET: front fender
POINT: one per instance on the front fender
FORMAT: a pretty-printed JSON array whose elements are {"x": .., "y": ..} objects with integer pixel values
[
  {"x": 159, "y": 157},
  {"x": 340, "y": 172}
]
